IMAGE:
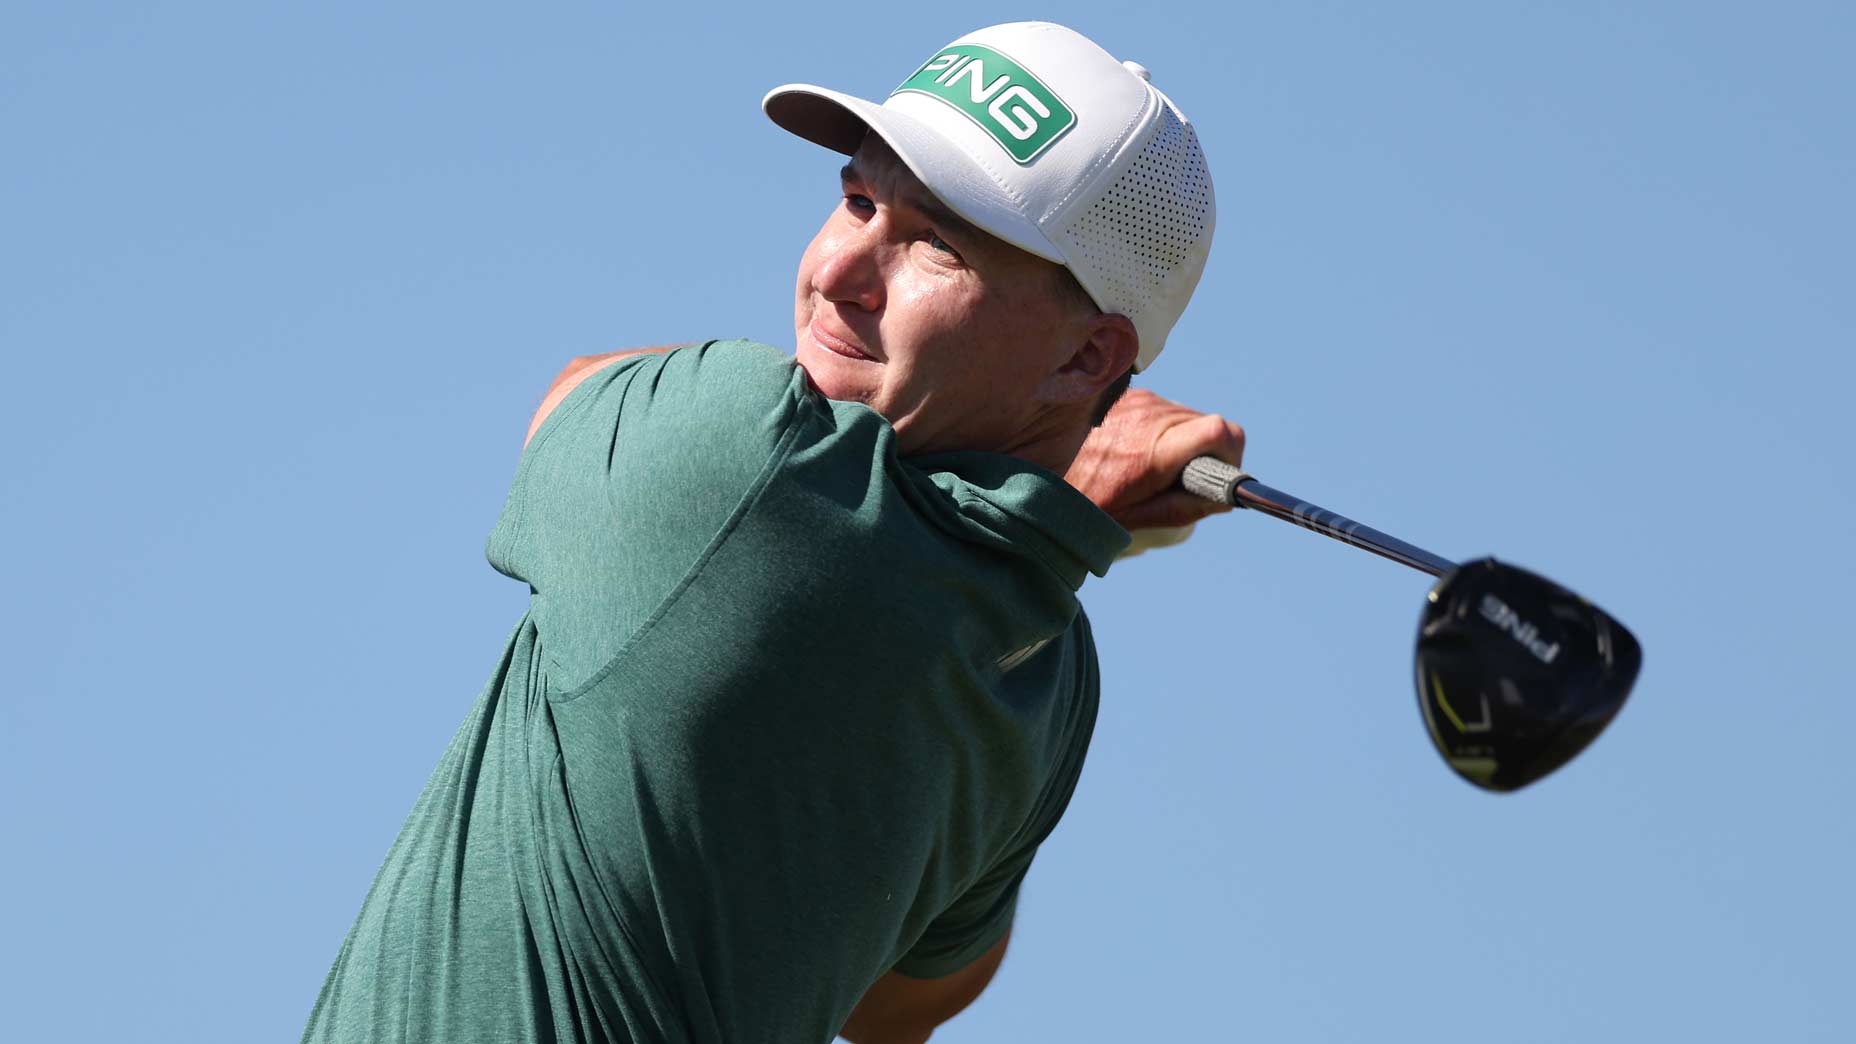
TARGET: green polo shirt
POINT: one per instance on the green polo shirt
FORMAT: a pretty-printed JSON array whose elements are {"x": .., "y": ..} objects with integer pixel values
[{"x": 786, "y": 711}]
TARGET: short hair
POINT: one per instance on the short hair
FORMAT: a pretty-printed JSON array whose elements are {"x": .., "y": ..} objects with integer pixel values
[{"x": 1071, "y": 292}]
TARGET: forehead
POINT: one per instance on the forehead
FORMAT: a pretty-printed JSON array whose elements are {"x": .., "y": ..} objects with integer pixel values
[
  {"x": 878, "y": 167},
  {"x": 875, "y": 161}
]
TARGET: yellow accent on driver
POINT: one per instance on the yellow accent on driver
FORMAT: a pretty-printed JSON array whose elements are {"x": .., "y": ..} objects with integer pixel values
[{"x": 1437, "y": 686}]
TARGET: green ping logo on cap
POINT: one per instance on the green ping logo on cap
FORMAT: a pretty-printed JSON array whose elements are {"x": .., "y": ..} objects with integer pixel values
[{"x": 1009, "y": 103}]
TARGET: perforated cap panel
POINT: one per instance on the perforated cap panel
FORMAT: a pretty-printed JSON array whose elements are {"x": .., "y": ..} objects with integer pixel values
[{"x": 1140, "y": 247}]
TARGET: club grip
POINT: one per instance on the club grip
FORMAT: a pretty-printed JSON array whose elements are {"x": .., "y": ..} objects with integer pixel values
[{"x": 1212, "y": 479}]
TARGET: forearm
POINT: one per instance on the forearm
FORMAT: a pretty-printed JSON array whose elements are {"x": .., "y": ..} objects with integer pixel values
[
  {"x": 576, "y": 371},
  {"x": 856, "y": 1033},
  {"x": 900, "y": 1009}
]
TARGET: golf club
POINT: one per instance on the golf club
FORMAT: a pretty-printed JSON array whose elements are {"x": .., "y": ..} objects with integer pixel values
[{"x": 1515, "y": 674}]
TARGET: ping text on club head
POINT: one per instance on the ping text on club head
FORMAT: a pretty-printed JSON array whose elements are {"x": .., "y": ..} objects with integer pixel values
[{"x": 1497, "y": 612}]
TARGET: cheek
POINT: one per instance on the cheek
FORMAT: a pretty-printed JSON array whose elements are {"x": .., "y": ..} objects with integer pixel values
[
  {"x": 923, "y": 303},
  {"x": 809, "y": 262},
  {"x": 1025, "y": 318},
  {"x": 999, "y": 337},
  {"x": 934, "y": 321}
]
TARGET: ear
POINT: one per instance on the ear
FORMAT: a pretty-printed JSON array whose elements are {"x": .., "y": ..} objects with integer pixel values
[{"x": 1105, "y": 351}]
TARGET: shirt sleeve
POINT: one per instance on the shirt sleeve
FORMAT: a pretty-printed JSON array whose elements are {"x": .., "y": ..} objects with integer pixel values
[
  {"x": 630, "y": 479},
  {"x": 974, "y": 924},
  {"x": 981, "y": 916}
]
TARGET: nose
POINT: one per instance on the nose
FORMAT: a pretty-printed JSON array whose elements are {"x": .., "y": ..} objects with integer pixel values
[{"x": 850, "y": 272}]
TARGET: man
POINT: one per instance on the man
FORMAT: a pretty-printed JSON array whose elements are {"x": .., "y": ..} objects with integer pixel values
[{"x": 804, "y": 682}]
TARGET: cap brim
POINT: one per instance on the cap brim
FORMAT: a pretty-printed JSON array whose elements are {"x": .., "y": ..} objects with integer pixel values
[{"x": 838, "y": 122}]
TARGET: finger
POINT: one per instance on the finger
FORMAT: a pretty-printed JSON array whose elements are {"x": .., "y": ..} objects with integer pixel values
[
  {"x": 1174, "y": 507},
  {"x": 1207, "y": 435}
]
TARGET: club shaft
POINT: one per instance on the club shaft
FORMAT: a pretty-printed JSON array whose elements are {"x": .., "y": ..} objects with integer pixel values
[{"x": 1215, "y": 480}]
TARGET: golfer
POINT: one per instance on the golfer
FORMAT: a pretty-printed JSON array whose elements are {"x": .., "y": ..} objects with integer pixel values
[{"x": 804, "y": 682}]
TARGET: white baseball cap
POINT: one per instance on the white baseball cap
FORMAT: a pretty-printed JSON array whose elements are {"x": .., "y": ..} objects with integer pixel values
[{"x": 1041, "y": 138}]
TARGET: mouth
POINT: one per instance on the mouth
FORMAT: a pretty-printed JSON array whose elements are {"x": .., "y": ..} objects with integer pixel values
[{"x": 835, "y": 344}]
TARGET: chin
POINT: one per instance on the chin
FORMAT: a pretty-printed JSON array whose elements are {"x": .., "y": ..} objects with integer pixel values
[{"x": 834, "y": 376}]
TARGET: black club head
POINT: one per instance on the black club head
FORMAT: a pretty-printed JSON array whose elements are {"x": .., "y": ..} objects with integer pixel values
[{"x": 1516, "y": 674}]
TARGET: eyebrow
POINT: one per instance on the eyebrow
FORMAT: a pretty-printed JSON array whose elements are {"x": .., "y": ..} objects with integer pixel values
[{"x": 928, "y": 206}]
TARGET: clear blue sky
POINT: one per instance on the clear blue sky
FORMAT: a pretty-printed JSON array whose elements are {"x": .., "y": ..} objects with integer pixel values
[{"x": 1570, "y": 283}]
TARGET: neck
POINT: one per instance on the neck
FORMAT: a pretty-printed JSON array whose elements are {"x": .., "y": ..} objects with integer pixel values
[{"x": 1053, "y": 443}]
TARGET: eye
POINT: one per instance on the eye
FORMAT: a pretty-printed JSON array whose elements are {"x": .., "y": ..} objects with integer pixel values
[
  {"x": 941, "y": 251},
  {"x": 859, "y": 203}
]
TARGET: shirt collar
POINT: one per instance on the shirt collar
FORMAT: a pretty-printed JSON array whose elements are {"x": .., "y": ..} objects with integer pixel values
[{"x": 1005, "y": 500}]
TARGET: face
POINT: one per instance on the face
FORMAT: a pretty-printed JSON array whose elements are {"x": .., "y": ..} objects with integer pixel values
[{"x": 954, "y": 336}]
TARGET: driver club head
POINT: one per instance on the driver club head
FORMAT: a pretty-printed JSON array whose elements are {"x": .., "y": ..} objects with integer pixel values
[{"x": 1516, "y": 674}]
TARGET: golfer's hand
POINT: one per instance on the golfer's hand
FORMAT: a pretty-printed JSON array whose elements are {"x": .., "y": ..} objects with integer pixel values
[{"x": 1130, "y": 465}]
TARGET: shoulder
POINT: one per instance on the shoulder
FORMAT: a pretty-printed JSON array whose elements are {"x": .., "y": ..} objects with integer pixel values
[
  {"x": 572, "y": 375},
  {"x": 731, "y": 366}
]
